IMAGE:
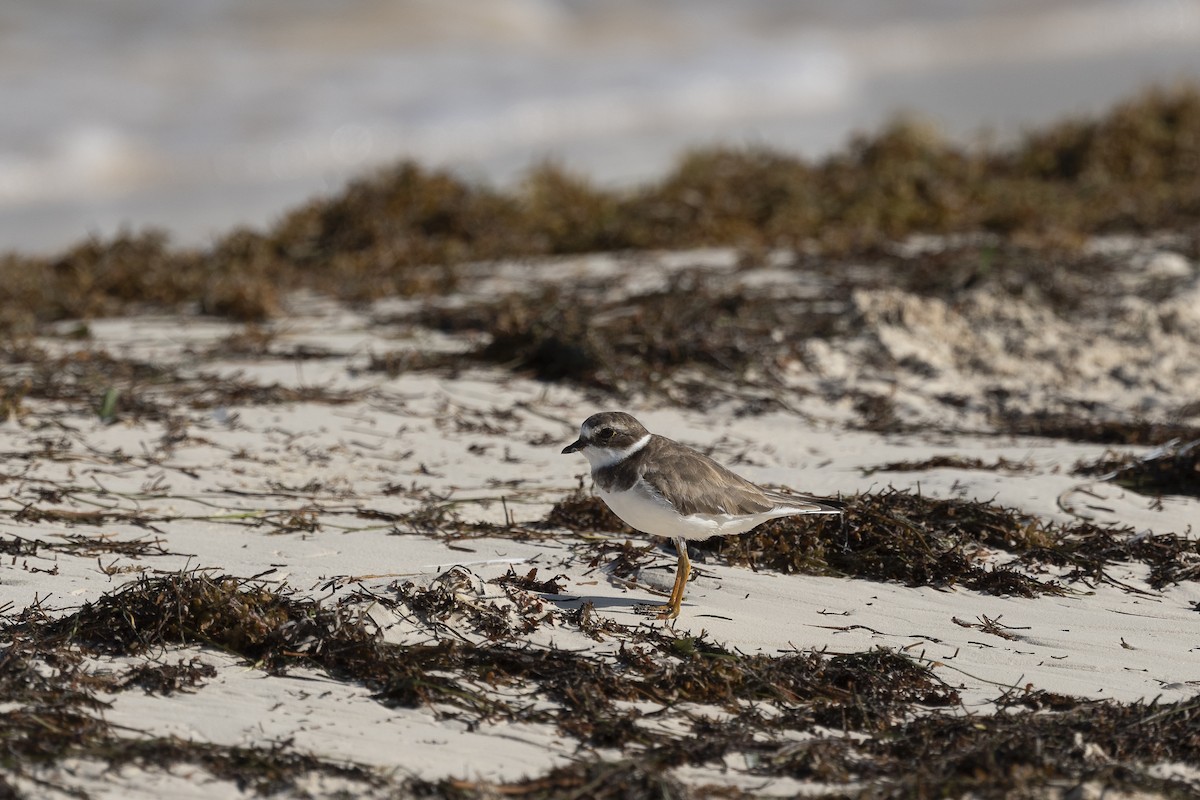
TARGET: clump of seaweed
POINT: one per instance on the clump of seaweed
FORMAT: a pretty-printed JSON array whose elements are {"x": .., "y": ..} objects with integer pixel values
[
  {"x": 274, "y": 629},
  {"x": 561, "y": 334},
  {"x": 706, "y": 337},
  {"x": 1089, "y": 549},
  {"x": 951, "y": 462},
  {"x": 440, "y": 517},
  {"x": 267, "y": 770},
  {"x": 897, "y": 535},
  {"x": 912, "y": 747},
  {"x": 1101, "y": 744},
  {"x": 584, "y": 513},
  {"x": 1170, "y": 470},
  {"x": 452, "y": 594},
  {"x": 166, "y": 678},
  {"x": 55, "y": 715},
  {"x": 113, "y": 388},
  {"x": 529, "y": 582},
  {"x": 623, "y": 779},
  {"x": 1111, "y": 744},
  {"x": 859, "y": 691},
  {"x": 1084, "y": 428},
  {"x": 223, "y": 612},
  {"x": 878, "y": 679},
  {"x": 404, "y": 230}
]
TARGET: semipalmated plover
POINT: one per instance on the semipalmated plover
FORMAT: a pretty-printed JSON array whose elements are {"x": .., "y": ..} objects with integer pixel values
[{"x": 665, "y": 488}]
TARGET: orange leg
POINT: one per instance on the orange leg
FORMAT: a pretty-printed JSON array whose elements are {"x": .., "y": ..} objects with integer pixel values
[{"x": 683, "y": 570}]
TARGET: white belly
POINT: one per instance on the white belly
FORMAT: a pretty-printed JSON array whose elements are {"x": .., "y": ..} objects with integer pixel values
[{"x": 640, "y": 509}]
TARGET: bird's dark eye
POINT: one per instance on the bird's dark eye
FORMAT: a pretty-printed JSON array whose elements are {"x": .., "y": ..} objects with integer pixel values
[{"x": 605, "y": 434}]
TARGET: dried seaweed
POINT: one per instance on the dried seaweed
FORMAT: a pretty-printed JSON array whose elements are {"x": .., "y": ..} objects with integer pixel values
[
  {"x": 708, "y": 337},
  {"x": 1082, "y": 428},
  {"x": 529, "y": 582},
  {"x": 77, "y": 544},
  {"x": 896, "y": 536},
  {"x": 268, "y": 770},
  {"x": 603, "y": 780},
  {"x": 402, "y": 230},
  {"x": 570, "y": 335},
  {"x": 1171, "y": 470},
  {"x": 912, "y": 749},
  {"x": 1088, "y": 549},
  {"x": 584, "y": 513},
  {"x": 900, "y": 536},
  {"x": 55, "y": 715},
  {"x": 94, "y": 381},
  {"x": 166, "y": 678},
  {"x": 1108, "y": 745},
  {"x": 275, "y": 629},
  {"x": 951, "y": 462}
]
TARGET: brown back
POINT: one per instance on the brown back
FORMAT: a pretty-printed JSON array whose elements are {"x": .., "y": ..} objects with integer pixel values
[{"x": 695, "y": 483}]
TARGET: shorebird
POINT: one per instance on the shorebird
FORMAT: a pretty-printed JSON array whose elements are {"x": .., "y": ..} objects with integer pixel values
[{"x": 665, "y": 488}]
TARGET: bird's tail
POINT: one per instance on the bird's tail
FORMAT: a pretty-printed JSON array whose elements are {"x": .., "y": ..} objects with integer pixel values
[{"x": 824, "y": 505}]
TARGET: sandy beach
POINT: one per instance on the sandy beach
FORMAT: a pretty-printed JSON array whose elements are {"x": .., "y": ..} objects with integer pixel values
[{"x": 316, "y": 473}]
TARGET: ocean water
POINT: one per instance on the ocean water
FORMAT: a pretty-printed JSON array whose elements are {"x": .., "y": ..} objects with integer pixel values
[{"x": 200, "y": 116}]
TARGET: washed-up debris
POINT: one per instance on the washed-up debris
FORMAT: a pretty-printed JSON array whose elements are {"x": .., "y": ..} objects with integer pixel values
[
  {"x": 402, "y": 230},
  {"x": 905, "y": 537},
  {"x": 1173, "y": 468}
]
